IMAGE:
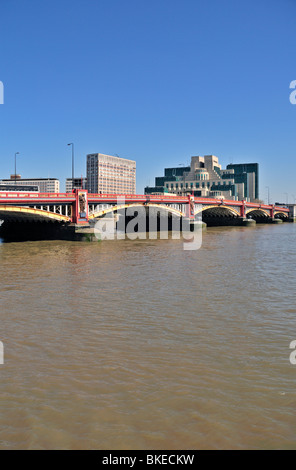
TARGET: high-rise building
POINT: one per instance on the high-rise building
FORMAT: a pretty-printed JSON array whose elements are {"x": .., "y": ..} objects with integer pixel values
[
  {"x": 247, "y": 174},
  {"x": 110, "y": 175},
  {"x": 206, "y": 178},
  {"x": 80, "y": 183},
  {"x": 45, "y": 185}
]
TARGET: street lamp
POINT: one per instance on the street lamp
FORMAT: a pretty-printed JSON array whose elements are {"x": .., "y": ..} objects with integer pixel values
[
  {"x": 17, "y": 153},
  {"x": 72, "y": 164},
  {"x": 287, "y": 198}
]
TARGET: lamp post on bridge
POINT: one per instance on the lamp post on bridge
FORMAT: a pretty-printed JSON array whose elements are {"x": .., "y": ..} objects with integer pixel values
[
  {"x": 72, "y": 164},
  {"x": 16, "y": 153}
]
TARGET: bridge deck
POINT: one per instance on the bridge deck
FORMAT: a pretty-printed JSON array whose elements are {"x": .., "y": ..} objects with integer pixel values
[{"x": 31, "y": 199}]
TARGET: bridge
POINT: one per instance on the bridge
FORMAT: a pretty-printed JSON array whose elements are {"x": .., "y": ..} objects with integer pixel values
[{"x": 79, "y": 209}]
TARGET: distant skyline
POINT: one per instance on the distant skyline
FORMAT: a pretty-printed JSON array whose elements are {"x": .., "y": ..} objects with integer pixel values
[{"x": 156, "y": 82}]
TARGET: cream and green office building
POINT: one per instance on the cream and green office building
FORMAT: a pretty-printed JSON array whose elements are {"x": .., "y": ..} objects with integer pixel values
[{"x": 205, "y": 177}]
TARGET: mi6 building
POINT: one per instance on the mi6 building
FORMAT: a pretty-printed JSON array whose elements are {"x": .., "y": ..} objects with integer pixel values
[
  {"x": 107, "y": 174},
  {"x": 205, "y": 177}
]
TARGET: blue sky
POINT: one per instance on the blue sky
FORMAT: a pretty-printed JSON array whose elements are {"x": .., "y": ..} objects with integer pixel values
[{"x": 154, "y": 81}]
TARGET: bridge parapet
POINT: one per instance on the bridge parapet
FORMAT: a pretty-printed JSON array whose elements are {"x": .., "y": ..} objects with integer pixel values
[{"x": 79, "y": 205}]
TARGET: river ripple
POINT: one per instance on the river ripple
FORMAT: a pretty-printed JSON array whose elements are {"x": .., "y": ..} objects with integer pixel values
[{"x": 141, "y": 345}]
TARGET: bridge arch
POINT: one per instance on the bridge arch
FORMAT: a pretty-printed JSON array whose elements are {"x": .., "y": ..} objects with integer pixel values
[
  {"x": 257, "y": 212},
  {"x": 218, "y": 211},
  {"x": 112, "y": 209},
  {"x": 19, "y": 213},
  {"x": 281, "y": 215}
]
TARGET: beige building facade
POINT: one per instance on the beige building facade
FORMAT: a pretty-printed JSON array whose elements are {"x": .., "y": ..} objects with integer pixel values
[
  {"x": 107, "y": 174},
  {"x": 45, "y": 185}
]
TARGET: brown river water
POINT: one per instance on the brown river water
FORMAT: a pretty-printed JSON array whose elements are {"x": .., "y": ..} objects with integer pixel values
[{"x": 142, "y": 345}]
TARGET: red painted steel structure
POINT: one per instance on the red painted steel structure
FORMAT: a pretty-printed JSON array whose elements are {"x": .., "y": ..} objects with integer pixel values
[{"x": 81, "y": 216}]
